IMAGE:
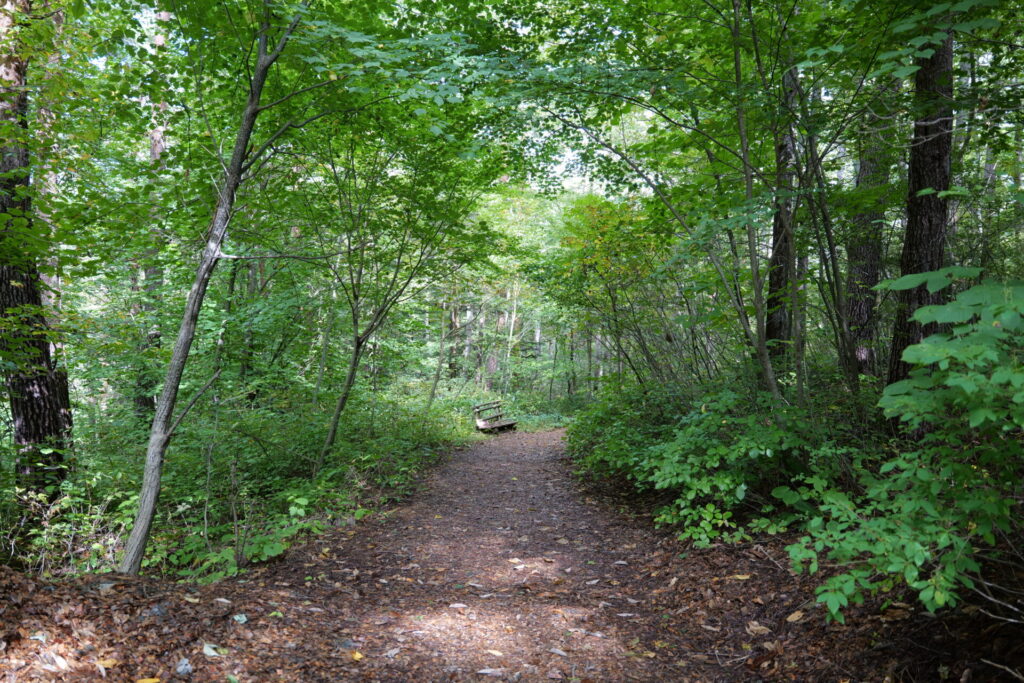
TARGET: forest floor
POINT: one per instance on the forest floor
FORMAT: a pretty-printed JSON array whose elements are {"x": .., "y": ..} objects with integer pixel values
[{"x": 502, "y": 567}]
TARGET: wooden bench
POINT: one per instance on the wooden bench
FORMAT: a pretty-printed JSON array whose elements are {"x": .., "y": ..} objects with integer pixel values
[{"x": 490, "y": 418}]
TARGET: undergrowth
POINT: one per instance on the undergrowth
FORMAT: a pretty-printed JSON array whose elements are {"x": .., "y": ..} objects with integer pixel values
[
  {"x": 234, "y": 493},
  {"x": 916, "y": 512}
]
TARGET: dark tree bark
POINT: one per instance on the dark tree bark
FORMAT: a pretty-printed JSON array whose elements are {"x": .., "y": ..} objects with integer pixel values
[
  {"x": 864, "y": 250},
  {"x": 927, "y": 215},
  {"x": 36, "y": 387},
  {"x": 782, "y": 262}
]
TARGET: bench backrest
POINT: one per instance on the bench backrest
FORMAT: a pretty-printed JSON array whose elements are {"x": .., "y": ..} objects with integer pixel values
[{"x": 489, "y": 411}]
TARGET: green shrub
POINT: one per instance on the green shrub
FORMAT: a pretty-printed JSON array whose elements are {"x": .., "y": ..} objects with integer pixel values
[
  {"x": 718, "y": 456},
  {"x": 923, "y": 516}
]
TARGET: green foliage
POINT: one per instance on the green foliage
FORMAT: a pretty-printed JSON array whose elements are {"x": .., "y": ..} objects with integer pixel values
[
  {"x": 921, "y": 517},
  {"x": 718, "y": 461}
]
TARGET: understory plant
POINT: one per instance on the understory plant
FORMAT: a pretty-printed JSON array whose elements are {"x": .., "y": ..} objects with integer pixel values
[
  {"x": 923, "y": 517},
  {"x": 716, "y": 461}
]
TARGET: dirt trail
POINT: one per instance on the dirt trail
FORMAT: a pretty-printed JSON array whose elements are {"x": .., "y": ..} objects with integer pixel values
[{"x": 501, "y": 568}]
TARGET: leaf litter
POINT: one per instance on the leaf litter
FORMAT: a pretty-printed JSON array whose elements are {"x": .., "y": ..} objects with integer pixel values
[{"x": 394, "y": 601}]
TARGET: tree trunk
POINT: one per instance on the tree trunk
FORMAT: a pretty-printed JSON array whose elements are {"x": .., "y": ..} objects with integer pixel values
[
  {"x": 441, "y": 356},
  {"x": 759, "y": 338},
  {"x": 929, "y": 171},
  {"x": 358, "y": 345},
  {"x": 163, "y": 426},
  {"x": 144, "y": 396},
  {"x": 864, "y": 248},
  {"x": 781, "y": 263},
  {"x": 37, "y": 388}
]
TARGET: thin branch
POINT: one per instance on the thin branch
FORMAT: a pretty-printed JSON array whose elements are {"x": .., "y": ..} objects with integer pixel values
[
  {"x": 294, "y": 93},
  {"x": 191, "y": 404}
]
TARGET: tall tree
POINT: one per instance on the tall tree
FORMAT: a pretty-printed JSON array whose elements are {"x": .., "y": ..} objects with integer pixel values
[
  {"x": 864, "y": 244},
  {"x": 924, "y": 243},
  {"x": 269, "y": 44},
  {"x": 37, "y": 388}
]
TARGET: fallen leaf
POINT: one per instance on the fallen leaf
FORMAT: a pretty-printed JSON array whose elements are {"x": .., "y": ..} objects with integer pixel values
[
  {"x": 756, "y": 629},
  {"x": 740, "y": 577},
  {"x": 356, "y": 655},
  {"x": 491, "y": 672},
  {"x": 458, "y": 605},
  {"x": 210, "y": 650},
  {"x": 53, "y": 662},
  {"x": 496, "y": 653},
  {"x": 148, "y": 680},
  {"x": 107, "y": 663},
  {"x": 795, "y": 616},
  {"x": 390, "y": 654},
  {"x": 556, "y": 651}
]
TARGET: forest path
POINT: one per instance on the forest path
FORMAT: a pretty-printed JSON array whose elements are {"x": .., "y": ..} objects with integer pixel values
[
  {"x": 502, "y": 567},
  {"x": 499, "y": 568}
]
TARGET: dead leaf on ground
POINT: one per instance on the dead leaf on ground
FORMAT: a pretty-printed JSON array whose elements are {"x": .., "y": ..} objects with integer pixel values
[{"x": 756, "y": 629}]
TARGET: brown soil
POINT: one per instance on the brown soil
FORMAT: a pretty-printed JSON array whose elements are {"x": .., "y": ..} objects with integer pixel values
[{"x": 503, "y": 567}]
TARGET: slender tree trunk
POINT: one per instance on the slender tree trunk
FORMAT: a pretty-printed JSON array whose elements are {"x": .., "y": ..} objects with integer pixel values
[
  {"x": 782, "y": 262},
  {"x": 163, "y": 422},
  {"x": 927, "y": 216},
  {"x": 144, "y": 397},
  {"x": 325, "y": 344},
  {"x": 37, "y": 389},
  {"x": 453, "y": 326},
  {"x": 590, "y": 365},
  {"x": 358, "y": 346},
  {"x": 248, "y": 351},
  {"x": 441, "y": 355},
  {"x": 760, "y": 336},
  {"x": 554, "y": 364},
  {"x": 570, "y": 385}
]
